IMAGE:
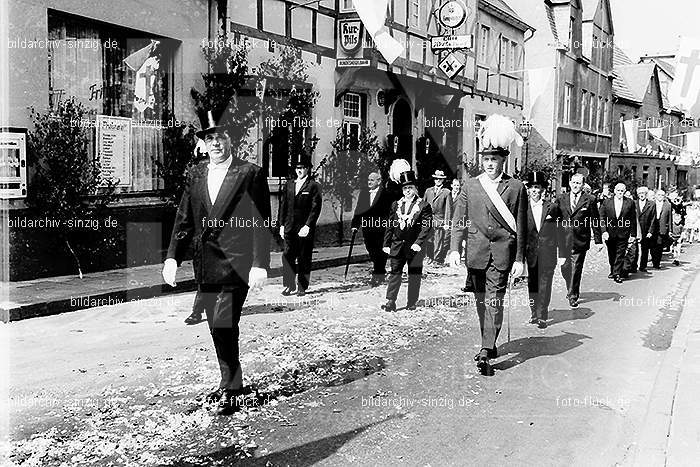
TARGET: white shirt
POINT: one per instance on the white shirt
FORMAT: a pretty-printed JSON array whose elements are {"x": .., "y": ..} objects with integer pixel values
[
  {"x": 618, "y": 206},
  {"x": 495, "y": 181},
  {"x": 659, "y": 205},
  {"x": 574, "y": 200},
  {"x": 215, "y": 177},
  {"x": 298, "y": 184},
  {"x": 537, "y": 213},
  {"x": 642, "y": 204},
  {"x": 372, "y": 195}
]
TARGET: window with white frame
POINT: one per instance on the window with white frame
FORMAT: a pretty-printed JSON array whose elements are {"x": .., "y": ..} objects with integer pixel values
[
  {"x": 568, "y": 91},
  {"x": 591, "y": 112},
  {"x": 512, "y": 56},
  {"x": 484, "y": 38},
  {"x": 414, "y": 13},
  {"x": 346, "y": 5},
  {"x": 352, "y": 118}
]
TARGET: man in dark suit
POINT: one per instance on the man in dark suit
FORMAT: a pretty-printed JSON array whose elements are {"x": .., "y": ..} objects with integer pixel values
[
  {"x": 492, "y": 214},
  {"x": 664, "y": 217},
  {"x": 408, "y": 229},
  {"x": 438, "y": 197},
  {"x": 648, "y": 225},
  {"x": 300, "y": 206},
  {"x": 618, "y": 221},
  {"x": 371, "y": 213},
  {"x": 225, "y": 213},
  {"x": 543, "y": 238},
  {"x": 579, "y": 218}
]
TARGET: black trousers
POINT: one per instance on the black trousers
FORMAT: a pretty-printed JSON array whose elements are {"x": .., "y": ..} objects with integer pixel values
[
  {"x": 489, "y": 291},
  {"x": 571, "y": 270},
  {"x": 657, "y": 249},
  {"x": 415, "y": 271},
  {"x": 374, "y": 241},
  {"x": 617, "y": 250},
  {"x": 645, "y": 246},
  {"x": 296, "y": 260},
  {"x": 539, "y": 287},
  {"x": 222, "y": 305}
]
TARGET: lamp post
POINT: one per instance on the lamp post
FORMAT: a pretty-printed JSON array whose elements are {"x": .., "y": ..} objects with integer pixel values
[{"x": 525, "y": 128}]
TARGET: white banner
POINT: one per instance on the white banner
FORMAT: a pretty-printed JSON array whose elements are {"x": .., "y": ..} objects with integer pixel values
[
  {"x": 631, "y": 129},
  {"x": 373, "y": 16},
  {"x": 685, "y": 90}
]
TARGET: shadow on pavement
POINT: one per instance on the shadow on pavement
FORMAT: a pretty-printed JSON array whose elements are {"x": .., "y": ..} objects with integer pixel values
[
  {"x": 533, "y": 347},
  {"x": 561, "y": 316},
  {"x": 587, "y": 297},
  {"x": 300, "y": 456}
]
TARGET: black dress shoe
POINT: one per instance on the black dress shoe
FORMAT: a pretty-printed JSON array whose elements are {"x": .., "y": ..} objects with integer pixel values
[
  {"x": 491, "y": 353},
  {"x": 542, "y": 324},
  {"x": 610, "y": 276},
  {"x": 411, "y": 306},
  {"x": 229, "y": 403},
  {"x": 618, "y": 279},
  {"x": 676, "y": 263},
  {"x": 288, "y": 291},
  {"x": 484, "y": 366},
  {"x": 642, "y": 269},
  {"x": 532, "y": 321},
  {"x": 573, "y": 302},
  {"x": 214, "y": 396},
  {"x": 390, "y": 305},
  {"x": 301, "y": 292},
  {"x": 194, "y": 318}
]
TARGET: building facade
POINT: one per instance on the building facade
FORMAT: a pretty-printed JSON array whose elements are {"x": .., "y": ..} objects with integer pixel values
[{"x": 569, "y": 84}]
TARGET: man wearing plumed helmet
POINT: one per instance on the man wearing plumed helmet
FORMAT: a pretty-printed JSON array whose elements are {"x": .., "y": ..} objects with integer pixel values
[{"x": 491, "y": 214}]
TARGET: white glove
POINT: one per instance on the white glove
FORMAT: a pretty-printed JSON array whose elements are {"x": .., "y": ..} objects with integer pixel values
[
  {"x": 447, "y": 227},
  {"x": 649, "y": 235},
  {"x": 354, "y": 229},
  {"x": 170, "y": 271},
  {"x": 454, "y": 259},
  {"x": 386, "y": 250},
  {"x": 561, "y": 261},
  {"x": 282, "y": 231},
  {"x": 304, "y": 231},
  {"x": 517, "y": 269},
  {"x": 632, "y": 239},
  {"x": 257, "y": 278},
  {"x": 606, "y": 236},
  {"x": 415, "y": 247}
]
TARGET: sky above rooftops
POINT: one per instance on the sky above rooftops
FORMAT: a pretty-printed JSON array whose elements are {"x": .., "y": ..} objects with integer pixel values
[{"x": 652, "y": 27}]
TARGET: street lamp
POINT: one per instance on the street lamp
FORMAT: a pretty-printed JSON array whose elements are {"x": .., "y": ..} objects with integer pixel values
[{"x": 525, "y": 128}]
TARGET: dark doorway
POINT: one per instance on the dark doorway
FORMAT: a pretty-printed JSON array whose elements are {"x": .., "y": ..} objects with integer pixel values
[{"x": 402, "y": 126}]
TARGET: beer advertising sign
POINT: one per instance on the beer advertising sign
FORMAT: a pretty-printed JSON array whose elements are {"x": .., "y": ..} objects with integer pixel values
[{"x": 350, "y": 36}]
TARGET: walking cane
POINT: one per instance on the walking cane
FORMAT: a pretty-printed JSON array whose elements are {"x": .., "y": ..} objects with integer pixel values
[{"x": 510, "y": 285}]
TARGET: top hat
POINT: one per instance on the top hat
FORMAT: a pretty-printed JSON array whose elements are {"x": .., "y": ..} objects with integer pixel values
[
  {"x": 439, "y": 174},
  {"x": 210, "y": 122},
  {"x": 537, "y": 178},
  {"x": 407, "y": 178},
  {"x": 303, "y": 161}
]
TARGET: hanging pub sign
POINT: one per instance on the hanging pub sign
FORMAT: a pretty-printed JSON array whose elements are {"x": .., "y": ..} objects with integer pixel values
[
  {"x": 452, "y": 42},
  {"x": 451, "y": 65},
  {"x": 13, "y": 164},
  {"x": 452, "y": 14},
  {"x": 350, "y": 36},
  {"x": 114, "y": 148}
]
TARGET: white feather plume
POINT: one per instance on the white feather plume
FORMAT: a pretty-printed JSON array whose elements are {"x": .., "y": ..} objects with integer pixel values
[
  {"x": 398, "y": 167},
  {"x": 498, "y": 131}
]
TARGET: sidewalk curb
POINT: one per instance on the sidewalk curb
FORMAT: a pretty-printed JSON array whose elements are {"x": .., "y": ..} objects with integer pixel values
[
  {"x": 63, "y": 305},
  {"x": 654, "y": 441}
]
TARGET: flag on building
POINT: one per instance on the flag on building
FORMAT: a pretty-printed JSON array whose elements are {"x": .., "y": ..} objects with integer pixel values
[
  {"x": 631, "y": 129},
  {"x": 146, "y": 65},
  {"x": 373, "y": 15},
  {"x": 685, "y": 90},
  {"x": 538, "y": 80}
]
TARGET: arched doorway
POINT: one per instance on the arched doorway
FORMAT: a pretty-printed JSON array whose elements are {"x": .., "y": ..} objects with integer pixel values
[{"x": 402, "y": 128}]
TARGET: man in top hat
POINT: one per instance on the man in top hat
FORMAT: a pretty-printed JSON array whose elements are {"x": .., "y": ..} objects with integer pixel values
[
  {"x": 372, "y": 211},
  {"x": 492, "y": 214},
  {"x": 438, "y": 197},
  {"x": 579, "y": 218},
  {"x": 408, "y": 230},
  {"x": 618, "y": 222},
  {"x": 543, "y": 238},
  {"x": 648, "y": 225},
  {"x": 300, "y": 206},
  {"x": 224, "y": 214}
]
